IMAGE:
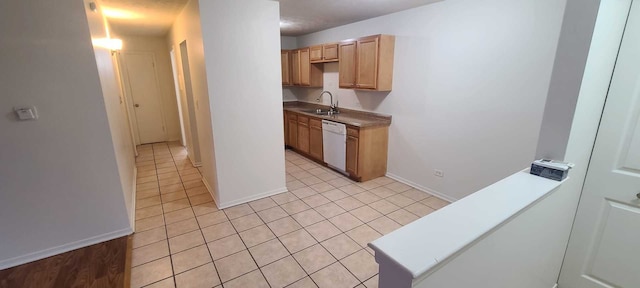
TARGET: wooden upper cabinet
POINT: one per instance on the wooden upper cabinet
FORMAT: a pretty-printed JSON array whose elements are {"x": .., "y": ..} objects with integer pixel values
[
  {"x": 295, "y": 67},
  {"x": 315, "y": 54},
  {"x": 367, "y": 63},
  {"x": 330, "y": 52},
  {"x": 285, "y": 60},
  {"x": 305, "y": 66},
  {"x": 310, "y": 74},
  {"x": 324, "y": 53},
  {"x": 347, "y": 65}
]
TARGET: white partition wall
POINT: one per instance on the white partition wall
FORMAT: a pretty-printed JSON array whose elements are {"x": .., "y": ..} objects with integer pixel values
[{"x": 242, "y": 47}]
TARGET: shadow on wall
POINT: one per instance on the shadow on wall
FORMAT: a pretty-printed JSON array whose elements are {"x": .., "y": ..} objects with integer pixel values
[{"x": 371, "y": 100}]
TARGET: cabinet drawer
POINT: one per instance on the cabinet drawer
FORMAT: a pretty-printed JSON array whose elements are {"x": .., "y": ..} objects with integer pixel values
[
  {"x": 353, "y": 132},
  {"x": 303, "y": 120},
  {"x": 292, "y": 116},
  {"x": 315, "y": 123}
]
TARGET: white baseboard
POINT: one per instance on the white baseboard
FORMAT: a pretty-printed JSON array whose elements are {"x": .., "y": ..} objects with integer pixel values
[
  {"x": 252, "y": 198},
  {"x": 421, "y": 188},
  {"x": 15, "y": 261},
  {"x": 194, "y": 163},
  {"x": 132, "y": 213},
  {"x": 210, "y": 189}
]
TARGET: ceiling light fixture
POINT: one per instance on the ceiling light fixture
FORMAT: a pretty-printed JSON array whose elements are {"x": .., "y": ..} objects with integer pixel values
[
  {"x": 119, "y": 14},
  {"x": 108, "y": 43}
]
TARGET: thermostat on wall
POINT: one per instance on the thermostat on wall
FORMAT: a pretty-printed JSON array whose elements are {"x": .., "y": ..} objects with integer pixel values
[
  {"x": 551, "y": 169},
  {"x": 26, "y": 112}
]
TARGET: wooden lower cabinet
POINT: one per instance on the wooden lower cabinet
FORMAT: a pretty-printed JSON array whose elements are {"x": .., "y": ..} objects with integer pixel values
[
  {"x": 303, "y": 134},
  {"x": 366, "y": 155},
  {"x": 292, "y": 131},
  {"x": 315, "y": 139},
  {"x": 367, "y": 152},
  {"x": 352, "y": 155}
]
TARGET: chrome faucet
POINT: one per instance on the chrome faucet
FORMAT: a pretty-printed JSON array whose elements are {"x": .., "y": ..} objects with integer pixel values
[{"x": 333, "y": 107}]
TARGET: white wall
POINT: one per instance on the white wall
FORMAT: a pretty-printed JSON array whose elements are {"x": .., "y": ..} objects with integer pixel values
[
  {"x": 470, "y": 81},
  {"x": 242, "y": 48},
  {"x": 115, "y": 105},
  {"x": 528, "y": 251},
  {"x": 60, "y": 182},
  {"x": 288, "y": 42},
  {"x": 158, "y": 47},
  {"x": 187, "y": 28}
]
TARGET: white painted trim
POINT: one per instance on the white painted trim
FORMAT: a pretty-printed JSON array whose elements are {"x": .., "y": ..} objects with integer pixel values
[
  {"x": 252, "y": 198},
  {"x": 195, "y": 164},
  {"x": 132, "y": 213},
  {"x": 4, "y": 264},
  {"x": 421, "y": 188},
  {"x": 214, "y": 195},
  {"x": 555, "y": 286}
]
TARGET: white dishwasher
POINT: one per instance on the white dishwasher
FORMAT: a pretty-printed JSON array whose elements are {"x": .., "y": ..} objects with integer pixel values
[{"x": 334, "y": 144}]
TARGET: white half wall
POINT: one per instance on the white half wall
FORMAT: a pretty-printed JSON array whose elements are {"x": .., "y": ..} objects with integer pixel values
[
  {"x": 469, "y": 89},
  {"x": 528, "y": 251},
  {"x": 242, "y": 47},
  {"x": 60, "y": 178}
]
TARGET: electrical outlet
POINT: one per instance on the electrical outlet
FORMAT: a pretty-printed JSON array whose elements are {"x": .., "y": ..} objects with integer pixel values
[{"x": 438, "y": 173}]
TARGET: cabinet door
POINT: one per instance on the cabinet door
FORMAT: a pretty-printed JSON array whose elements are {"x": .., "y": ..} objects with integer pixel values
[
  {"x": 285, "y": 60},
  {"x": 293, "y": 133},
  {"x": 305, "y": 67},
  {"x": 330, "y": 52},
  {"x": 347, "y": 64},
  {"x": 286, "y": 126},
  {"x": 367, "y": 63},
  {"x": 295, "y": 67},
  {"x": 352, "y": 155},
  {"x": 303, "y": 134},
  {"x": 315, "y": 54},
  {"x": 315, "y": 139}
]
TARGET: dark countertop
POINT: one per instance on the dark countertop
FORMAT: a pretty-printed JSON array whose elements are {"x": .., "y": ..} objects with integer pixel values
[{"x": 346, "y": 116}]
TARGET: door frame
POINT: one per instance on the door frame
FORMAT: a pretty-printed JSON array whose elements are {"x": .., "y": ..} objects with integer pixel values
[
  {"x": 176, "y": 84},
  {"x": 185, "y": 67},
  {"x": 124, "y": 94},
  {"x": 566, "y": 276},
  {"x": 129, "y": 96}
]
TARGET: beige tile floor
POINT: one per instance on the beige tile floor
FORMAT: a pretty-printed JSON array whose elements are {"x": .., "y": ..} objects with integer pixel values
[{"x": 316, "y": 235}]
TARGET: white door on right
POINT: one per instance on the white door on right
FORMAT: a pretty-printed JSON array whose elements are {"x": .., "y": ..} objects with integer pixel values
[{"x": 604, "y": 248}]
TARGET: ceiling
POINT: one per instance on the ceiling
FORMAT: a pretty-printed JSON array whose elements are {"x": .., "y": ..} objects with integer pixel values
[{"x": 297, "y": 17}]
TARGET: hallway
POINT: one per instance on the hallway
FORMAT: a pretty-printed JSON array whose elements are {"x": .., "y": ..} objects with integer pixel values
[{"x": 316, "y": 235}]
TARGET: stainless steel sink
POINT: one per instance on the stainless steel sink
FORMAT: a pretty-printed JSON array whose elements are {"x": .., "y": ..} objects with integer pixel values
[{"x": 319, "y": 111}]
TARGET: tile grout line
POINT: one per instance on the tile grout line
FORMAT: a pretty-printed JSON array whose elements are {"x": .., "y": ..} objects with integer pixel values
[
  {"x": 277, "y": 204},
  {"x": 246, "y": 248},
  {"x": 199, "y": 228}
]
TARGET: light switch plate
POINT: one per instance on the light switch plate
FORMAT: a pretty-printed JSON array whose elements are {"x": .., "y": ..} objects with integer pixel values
[{"x": 26, "y": 112}]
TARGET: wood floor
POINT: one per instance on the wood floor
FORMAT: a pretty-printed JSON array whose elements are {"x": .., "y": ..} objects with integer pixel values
[{"x": 100, "y": 265}]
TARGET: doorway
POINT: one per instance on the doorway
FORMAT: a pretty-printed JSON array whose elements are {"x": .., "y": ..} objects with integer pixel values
[
  {"x": 194, "y": 151},
  {"x": 142, "y": 85},
  {"x": 176, "y": 84}
]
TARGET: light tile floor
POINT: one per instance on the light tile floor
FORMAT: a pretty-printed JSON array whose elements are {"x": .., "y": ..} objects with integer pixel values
[{"x": 316, "y": 235}]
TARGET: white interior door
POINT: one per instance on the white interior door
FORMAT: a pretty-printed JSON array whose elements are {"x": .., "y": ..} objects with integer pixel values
[
  {"x": 145, "y": 95},
  {"x": 603, "y": 249}
]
